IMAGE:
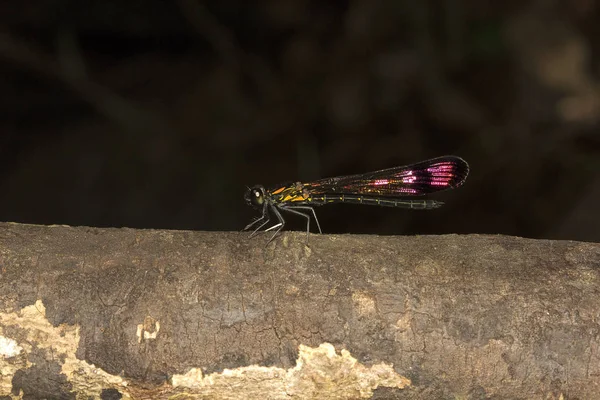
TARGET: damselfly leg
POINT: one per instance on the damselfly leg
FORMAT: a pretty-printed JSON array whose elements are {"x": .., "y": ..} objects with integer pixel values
[
  {"x": 275, "y": 209},
  {"x": 251, "y": 224},
  {"x": 278, "y": 227},
  {"x": 307, "y": 216},
  {"x": 293, "y": 209},
  {"x": 264, "y": 217}
]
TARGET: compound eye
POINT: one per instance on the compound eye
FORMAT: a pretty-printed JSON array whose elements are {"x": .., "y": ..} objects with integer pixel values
[{"x": 257, "y": 197}]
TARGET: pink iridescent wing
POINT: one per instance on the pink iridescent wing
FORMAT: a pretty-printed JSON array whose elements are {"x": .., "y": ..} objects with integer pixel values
[{"x": 411, "y": 180}]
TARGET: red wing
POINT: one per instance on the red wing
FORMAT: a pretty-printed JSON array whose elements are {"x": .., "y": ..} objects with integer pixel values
[{"x": 411, "y": 180}]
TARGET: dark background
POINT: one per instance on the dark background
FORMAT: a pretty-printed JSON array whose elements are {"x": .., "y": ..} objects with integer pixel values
[{"x": 157, "y": 114}]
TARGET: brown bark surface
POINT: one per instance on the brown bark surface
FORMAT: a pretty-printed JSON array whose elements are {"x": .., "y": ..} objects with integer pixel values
[{"x": 123, "y": 313}]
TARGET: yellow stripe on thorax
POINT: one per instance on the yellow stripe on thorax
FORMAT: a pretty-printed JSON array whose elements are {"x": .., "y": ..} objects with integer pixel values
[
  {"x": 277, "y": 191},
  {"x": 294, "y": 197}
]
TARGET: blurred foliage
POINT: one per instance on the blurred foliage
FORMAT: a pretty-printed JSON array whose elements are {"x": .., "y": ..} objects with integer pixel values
[{"x": 158, "y": 114}]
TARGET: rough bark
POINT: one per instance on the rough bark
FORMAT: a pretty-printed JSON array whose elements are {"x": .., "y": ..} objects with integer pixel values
[{"x": 123, "y": 313}]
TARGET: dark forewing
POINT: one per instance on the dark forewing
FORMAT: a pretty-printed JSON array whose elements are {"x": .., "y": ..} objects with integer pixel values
[{"x": 411, "y": 180}]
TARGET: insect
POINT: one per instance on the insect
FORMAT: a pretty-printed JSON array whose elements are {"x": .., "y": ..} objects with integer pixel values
[{"x": 390, "y": 187}]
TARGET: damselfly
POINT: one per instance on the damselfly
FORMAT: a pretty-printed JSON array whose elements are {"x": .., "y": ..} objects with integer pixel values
[{"x": 387, "y": 187}]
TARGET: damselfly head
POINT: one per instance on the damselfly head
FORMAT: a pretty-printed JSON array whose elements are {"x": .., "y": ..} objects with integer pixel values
[{"x": 255, "y": 196}]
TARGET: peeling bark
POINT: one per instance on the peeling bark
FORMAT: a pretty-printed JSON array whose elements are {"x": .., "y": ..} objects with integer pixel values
[{"x": 122, "y": 313}]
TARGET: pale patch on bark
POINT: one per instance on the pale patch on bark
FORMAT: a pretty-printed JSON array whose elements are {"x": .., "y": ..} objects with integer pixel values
[
  {"x": 363, "y": 304},
  {"x": 61, "y": 341},
  {"x": 148, "y": 330},
  {"x": 319, "y": 373}
]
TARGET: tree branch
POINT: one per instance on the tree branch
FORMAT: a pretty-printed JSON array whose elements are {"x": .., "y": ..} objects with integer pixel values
[{"x": 150, "y": 314}]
